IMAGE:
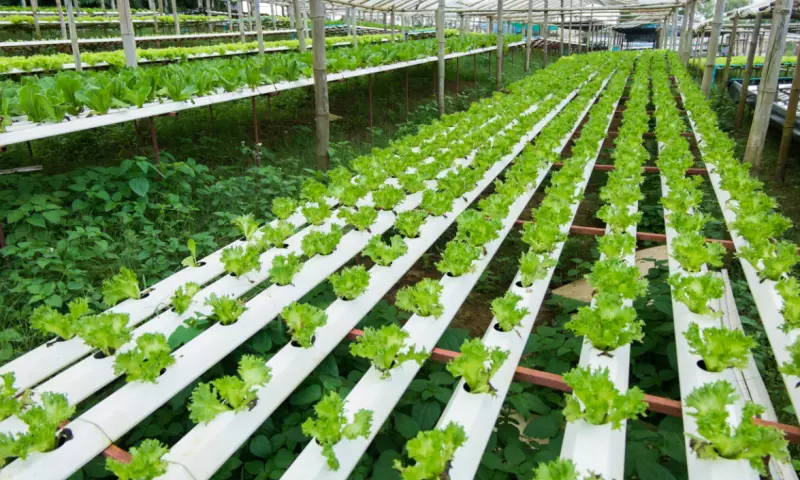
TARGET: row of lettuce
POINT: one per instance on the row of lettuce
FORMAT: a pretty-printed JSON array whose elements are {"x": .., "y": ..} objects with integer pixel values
[
  {"x": 84, "y": 19},
  {"x": 57, "y": 61},
  {"x": 609, "y": 322},
  {"x": 59, "y": 97},
  {"x": 697, "y": 287},
  {"x": 757, "y": 220},
  {"x": 143, "y": 359}
]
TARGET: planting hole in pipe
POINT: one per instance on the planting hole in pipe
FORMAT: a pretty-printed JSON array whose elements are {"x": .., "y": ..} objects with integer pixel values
[
  {"x": 497, "y": 327},
  {"x": 54, "y": 341},
  {"x": 62, "y": 437},
  {"x": 101, "y": 355},
  {"x": 297, "y": 345}
]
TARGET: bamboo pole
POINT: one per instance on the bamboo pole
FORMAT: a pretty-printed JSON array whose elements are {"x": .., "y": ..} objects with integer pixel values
[
  {"x": 321, "y": 108},
  {"x": 152, "y": 7},
  {"x": 177, "y": 22},
  {"x": 440, "y": 62},
  {"x": 240, "y": 12},
  {"x": 35, "y": 12},
  {"x": 713, "y": 46},
  {"x": 561, "y": 28},
  {"x": 73, "y": 37},
  {"x": 127, "y": 33},
  {"x": 571, "y": 33},
  {"x": 354, "y": 25},
  {"x": 769, "y": 83},
  {"x": 546, "y": 34},
  {"x": 589, "y": 32},
  {"x": 788, "y": 124},
  {"x": 731, "y": 46},
  {"x": 299, "y": 27},
  {"x": 529, "y": 38},
  {"x": 259, "y": 30},
  {"x": 499, "y": 70},
  {"x": 61, "y": 22},
  {"x": 687, "y": 47}
]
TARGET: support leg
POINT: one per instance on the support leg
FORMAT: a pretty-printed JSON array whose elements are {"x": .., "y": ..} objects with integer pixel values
[
  {"x": 475, "y": 69},
  {"x": 371, "y": 135},
  {"x": 255, "y": 131},
  {"x": 154, "y": 140},
  {"x": 406, "y": 94},
  {"x": 457, "y": 75}
]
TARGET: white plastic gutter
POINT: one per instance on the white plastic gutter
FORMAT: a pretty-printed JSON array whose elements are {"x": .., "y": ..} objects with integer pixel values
[
  {"x": 768, "y": 301},
  {"x": 23, "y": 131},
  {"x": 291, "y": 365},
  {"x": 381, "y": 395}
]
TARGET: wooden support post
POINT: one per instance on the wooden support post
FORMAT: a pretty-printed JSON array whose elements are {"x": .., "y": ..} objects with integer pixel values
[
  {"x": 731, "y": 46},
  {"x": 153, "y": 138},
  {"x": 406, "y": 70},
  {"x": 240, "y": 14},
  {"x": 571, "y": 33},
  {"x": 545, "y": 33},
  {"x": 73, "y": 36},
  {"x": 300, "y": 29},
  {"x": 769, "y": 82},
  {"x": 61, "y": 22},
  {"x": 259, "y": 29},
  {"x": 713, "y": 46},
  {"x": 321, "y": 107},
  {"x": 152, "y": 6},
  {"x": 371, "y": 128},
  {"x": 391, "y": 26},
  {"x": 499, "y": 72},
  {"x": 529, "y": 37},
  {"x": 457, "y": 75},
  {"x": 788, "y": 124},
  {"x": 440, "y": 44},
  {"x": 686, "y": 40},
  {"x": 354, "y": 26},
  {"x": 673, "y": 38},
  {"x": 561, "y": 31},
  {"x": 35, "y": 12},
  {"x": 127, "y": 32},
  {"x": 176, "y": 21}
]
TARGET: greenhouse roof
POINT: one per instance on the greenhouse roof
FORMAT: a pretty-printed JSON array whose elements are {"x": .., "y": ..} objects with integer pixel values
[{"x": 489, "y": 7}]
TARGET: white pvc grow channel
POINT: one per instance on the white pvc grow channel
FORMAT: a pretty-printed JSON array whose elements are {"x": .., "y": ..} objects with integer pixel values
[
  {"x": 381, "y": 395},
  {"x": 90, "y": 375},
  {"x": 768, "y": 301},
  {"x": 99, "y": 427},
  {"x": 202, "y": 56},
  {"x": 24, "y": 131},
  {"x": 145, "y": 38},
  {"x": 477, "y": 413},
  {"x": 691, "y": 375},
  {"x": 51, "y": 357},
  {"x": 206, "y": 447}
]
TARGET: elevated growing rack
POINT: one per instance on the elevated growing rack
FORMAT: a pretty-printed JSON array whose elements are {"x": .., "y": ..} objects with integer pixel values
[{"x": 489, "y": 138}]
